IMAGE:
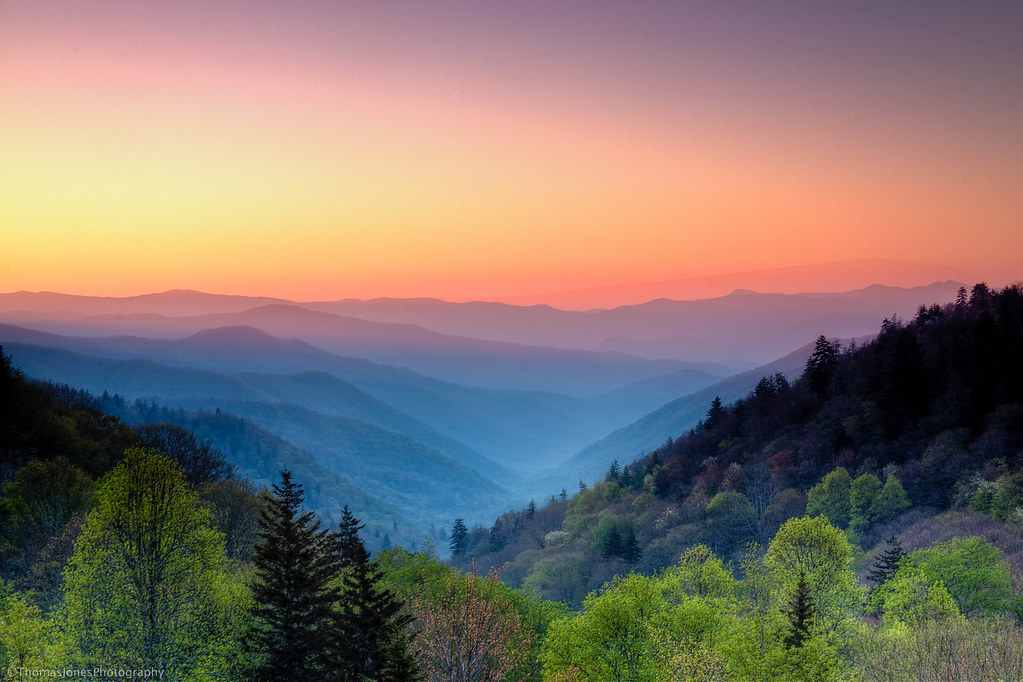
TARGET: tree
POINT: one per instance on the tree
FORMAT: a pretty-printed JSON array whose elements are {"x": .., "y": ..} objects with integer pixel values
[
  {"x": 201, "y": 462},
  {"x": 611, "y": 639},
  {"x": 459, "y": 538},
  {"x": 820, "y": 367},
  {"x": 812, "y": 550},
  {"x": 800, "y": 613},
  {"x": 831, "y": 498},
  {"x": 294, "y": 598},
  {"x": 468, "y": 633},
  {"x": 971, "y": 569},
  {"x": 27, "y": 640},
  {"x": 142, "y": 588},
  {"x": 863, "y": 494},
  {"x": 714, "y": 413},
  {"x": 371, "y": 637},
  {"x": 891, "y": 501},
  {"x": 887, "y": 562},
  {"x": 39, "y": 504},
  {"x": 631, "y": 551}
]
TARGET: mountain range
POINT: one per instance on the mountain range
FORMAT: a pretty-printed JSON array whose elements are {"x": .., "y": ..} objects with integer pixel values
[{"x": 433, "y": 408}]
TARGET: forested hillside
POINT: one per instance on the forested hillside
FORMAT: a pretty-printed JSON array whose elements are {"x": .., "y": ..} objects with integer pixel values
[
  {"x": 929, "y": 415},
  {"x": 864, "y": 522}
]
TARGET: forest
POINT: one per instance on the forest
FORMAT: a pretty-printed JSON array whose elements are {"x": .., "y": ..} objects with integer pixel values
[{"x": 862, "y": 522}]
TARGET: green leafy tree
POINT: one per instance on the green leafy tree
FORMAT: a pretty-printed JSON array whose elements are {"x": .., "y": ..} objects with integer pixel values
[
  {"x": 294, "y": 597},
  {"x": 144, "y": 586},
  {"x": 812, "y": 550},
  {"x": 26, "y": 638},
  {"x": 910, "y": 598},
  {"x": 863, "y": 494},
  {"x": 973, "y": 572},
  {"x": 611, "y": 639},
  {"x": 891, "y": 501},
  {"x": 832, "y": 498}
]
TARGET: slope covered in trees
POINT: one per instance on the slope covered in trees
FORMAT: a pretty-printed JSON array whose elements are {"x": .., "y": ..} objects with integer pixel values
[
  {"x": 928, "y": 414},
  {"x": 733, "y": 553}
]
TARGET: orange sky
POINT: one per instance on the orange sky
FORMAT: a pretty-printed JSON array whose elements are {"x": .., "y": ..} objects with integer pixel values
[{"x": 311, "y": 151}]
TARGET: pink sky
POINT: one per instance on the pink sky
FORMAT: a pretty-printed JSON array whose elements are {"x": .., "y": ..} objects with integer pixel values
[{"x": 320, "y": 150}]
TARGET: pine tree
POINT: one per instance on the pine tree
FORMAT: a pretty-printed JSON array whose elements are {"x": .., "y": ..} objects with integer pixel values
[
  {"x": 293, "y": 599},
  {"x": 799, "y": 613},
  {"x": 887, "y": 562},
  {"x": 820, "y": 367},
  {"x": 716, "y": 411},
  {"x": 630, "y": 548},
  {"x": 612, "y": 544},
  {"x": 459, "y": 538},
  {"x": 371, "y": 624}
]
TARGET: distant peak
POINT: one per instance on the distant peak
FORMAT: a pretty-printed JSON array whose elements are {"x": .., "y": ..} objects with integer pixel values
[{"x": 743, "y": 292}]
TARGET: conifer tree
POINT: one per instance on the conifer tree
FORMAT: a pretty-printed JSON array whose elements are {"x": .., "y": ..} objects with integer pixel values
[
  {"x": 715, "y": 413},
  {"x": 820, "y": 367},
  {"x": 799, "y": 613},
  {"x": 885, "y": 565},
  {"x": 630, "y": 548},
  {"x": 459, "y": 538},
  {"x": 371, "y": 636},
  {"x": 293, "y": 598}
]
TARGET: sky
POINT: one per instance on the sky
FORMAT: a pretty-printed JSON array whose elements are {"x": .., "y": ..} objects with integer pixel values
[{"x": 321, "y": 149}]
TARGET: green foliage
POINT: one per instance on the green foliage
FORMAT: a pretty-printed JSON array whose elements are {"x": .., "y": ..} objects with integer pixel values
[
  {"x": 891, "y": 501},
  {"x": 44, "y": 497},
  {"x": 863, "y": 495},
  {"x": 814, "y": 551},
  {"x": 611, "y": 639},
  {"x": 699, "y": 573},
  {"x": 143, "y": 589},
  {"x": 910, "y": 598},
  {"x": 27, "y": 640},
  {"x": 971, "y": 569},
  {"x": 832, "y": 498}
]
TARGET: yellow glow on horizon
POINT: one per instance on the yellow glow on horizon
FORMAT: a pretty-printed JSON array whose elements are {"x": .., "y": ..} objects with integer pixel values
[{"x": 250, "y": 175}]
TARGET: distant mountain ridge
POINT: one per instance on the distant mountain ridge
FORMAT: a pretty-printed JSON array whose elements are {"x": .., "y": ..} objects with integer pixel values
[{"x": 720, "y": 335}]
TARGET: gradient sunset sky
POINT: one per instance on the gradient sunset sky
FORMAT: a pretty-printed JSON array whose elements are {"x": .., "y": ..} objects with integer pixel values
[{"x": 322, "y": 149}]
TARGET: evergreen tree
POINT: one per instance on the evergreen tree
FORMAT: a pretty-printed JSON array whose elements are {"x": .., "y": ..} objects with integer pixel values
[
  {"x": 820, "y": 367},
  {"x": 799, "y": 613},
  {"x": 716, "y": 411},
  {"x": 497, "y": 538},
  {"x": 531, "y": 509},
  {"x": 612, "y": 544},
  {"x": 630, "y": 548},
  {"x": 293, "y": 596},
  {"x": 459, "y": 538},
  {"x": 371, "y": 634},
  {"x": 887, "y": 562}
]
